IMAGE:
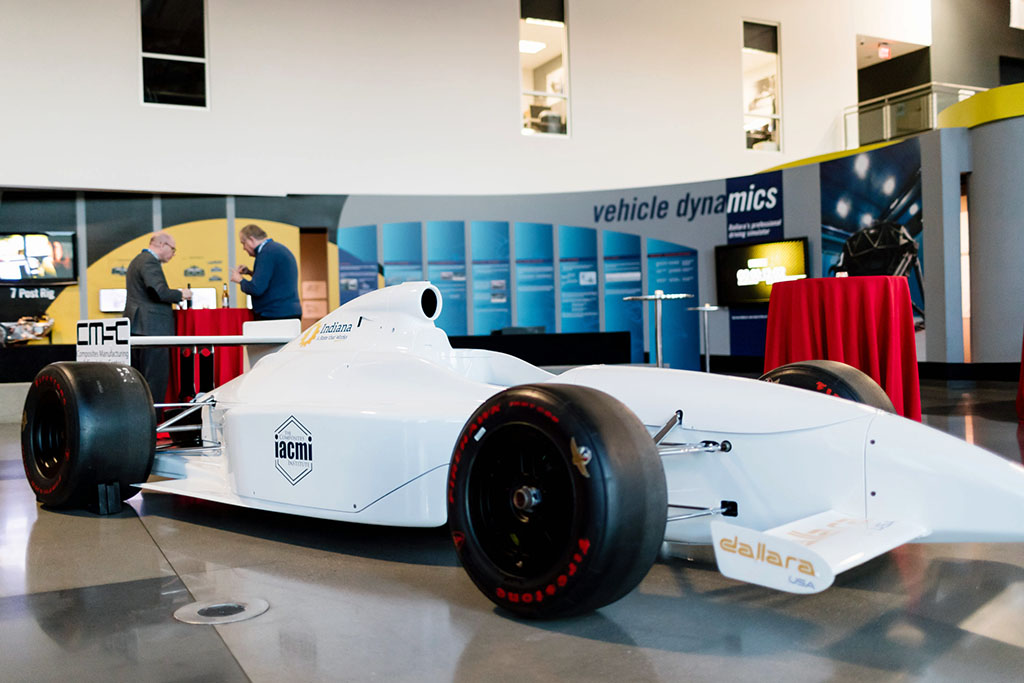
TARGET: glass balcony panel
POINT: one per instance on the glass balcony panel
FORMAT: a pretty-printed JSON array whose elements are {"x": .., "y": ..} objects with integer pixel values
[
  {"x": 871, "y": 124},
  {"x": 910, "y": 116}
]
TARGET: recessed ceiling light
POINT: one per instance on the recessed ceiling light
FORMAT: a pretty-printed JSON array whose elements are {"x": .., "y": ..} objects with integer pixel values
[{"x": 531, "y": 47}]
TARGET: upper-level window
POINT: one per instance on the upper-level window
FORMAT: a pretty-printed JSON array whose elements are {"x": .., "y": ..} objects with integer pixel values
[
  {"x": 173, "y": 52},
  {"x": 544, "y": 67},
  {"x": 762, "y": 112}
]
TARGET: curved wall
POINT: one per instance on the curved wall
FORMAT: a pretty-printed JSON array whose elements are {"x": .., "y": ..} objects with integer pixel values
[{"x": 996, "y": 209}]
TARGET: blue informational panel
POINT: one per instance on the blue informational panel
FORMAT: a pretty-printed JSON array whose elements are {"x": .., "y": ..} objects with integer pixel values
[
  {"x": 446, "y": 269},
  {"x": 357, "y": 261},
  {"x": 754, "y": 210},
  {"x": 672, "y": 268},
  {"x": 754, "y": 214},
  {"x": 535, "y": 276},
  {"x": 492, "y": 309},
  {"x": 577, "y": 265},
  {"x": 403, "y": 253},
  {"x": 623, "y": 277}
]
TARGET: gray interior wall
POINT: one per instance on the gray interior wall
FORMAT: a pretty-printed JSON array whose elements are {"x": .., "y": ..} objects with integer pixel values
[
  {"x": 968, "y": 37},
  {"x": 996, "y": 210},
  {"x": 945, "y": 154},
  {"x": 801, "y": 190}
]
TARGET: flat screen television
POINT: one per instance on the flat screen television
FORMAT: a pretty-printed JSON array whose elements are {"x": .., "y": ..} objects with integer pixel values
[
  {"x": 37, "y": 257},
  {"x": 745, "y": 273}
]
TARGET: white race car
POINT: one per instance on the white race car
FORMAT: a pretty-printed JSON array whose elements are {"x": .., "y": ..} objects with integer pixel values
[{"x": 559, "y": 491}]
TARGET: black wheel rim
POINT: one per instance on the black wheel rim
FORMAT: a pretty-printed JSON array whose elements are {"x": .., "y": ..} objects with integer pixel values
[
  {"x": 49, "y": 435},
  {"x": 521, "y": 501}
]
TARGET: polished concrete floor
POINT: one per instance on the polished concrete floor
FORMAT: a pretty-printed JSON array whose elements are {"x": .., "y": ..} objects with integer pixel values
[{"x": 87, "y": 598}]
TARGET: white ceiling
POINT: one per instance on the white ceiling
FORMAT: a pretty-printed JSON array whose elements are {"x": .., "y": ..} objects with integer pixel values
[{"x": 867, "y": 50}]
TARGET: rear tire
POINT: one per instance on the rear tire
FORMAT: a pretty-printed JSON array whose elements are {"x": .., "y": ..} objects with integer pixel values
[
  {"x": 87, "y": 434},
  {"x": 834, "y": 378},
  {"x": 556, "y": 500}
]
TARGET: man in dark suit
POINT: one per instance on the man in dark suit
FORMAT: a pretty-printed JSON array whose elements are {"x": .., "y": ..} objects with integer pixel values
[
  {"x": 274, "y": 286},
  {"x": 148, "y": 307}
]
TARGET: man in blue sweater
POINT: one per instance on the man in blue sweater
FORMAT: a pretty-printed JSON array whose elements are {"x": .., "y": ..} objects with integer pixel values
[{"x": 274, "y": 286}]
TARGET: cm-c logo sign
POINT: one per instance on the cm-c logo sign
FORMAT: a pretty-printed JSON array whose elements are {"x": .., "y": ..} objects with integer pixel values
[
  {"x": 102, "y": 332},
  {"x": 103, "y": 341}
]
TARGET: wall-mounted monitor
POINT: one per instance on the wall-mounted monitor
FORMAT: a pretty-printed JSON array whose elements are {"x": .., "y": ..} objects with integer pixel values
[
  {"x": 746, "y": 272},
  {"x": 37, "y": 258}
]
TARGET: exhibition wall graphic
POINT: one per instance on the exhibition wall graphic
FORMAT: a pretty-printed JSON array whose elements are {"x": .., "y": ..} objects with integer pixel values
[
  {"x": 535, "y": 275},
  {"x": 577, "y": 274},
  {"x": 446, "y": 268},
  {"x": 754, "y": 213},
  {"x": 357, "y": 261},
  {"x": 403, "y": 252},
  {"x": 871, "y": 208},
  {"x": 623, "y": 277},
  {"x": 492, "y": 305},
  {"x": 828, "y": 203},
  {"x": 576, "y": 255},
  {"x": 672, "y": 268}
]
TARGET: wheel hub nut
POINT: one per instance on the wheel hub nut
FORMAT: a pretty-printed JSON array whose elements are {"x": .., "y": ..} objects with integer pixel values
[{"x": 525, "y": 498}]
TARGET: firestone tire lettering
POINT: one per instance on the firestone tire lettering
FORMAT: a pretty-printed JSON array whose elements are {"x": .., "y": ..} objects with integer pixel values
[{"x": 832, "y": 378}]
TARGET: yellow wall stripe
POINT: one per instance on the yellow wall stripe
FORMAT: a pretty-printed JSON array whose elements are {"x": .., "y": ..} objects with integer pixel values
[{"x": 992, "y": 105}]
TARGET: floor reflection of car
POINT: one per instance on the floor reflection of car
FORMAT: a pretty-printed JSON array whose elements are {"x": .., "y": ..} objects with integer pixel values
[{"x": 194, "y": 271}]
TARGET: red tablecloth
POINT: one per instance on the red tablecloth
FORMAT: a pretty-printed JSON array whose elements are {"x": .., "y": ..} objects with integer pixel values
[
  {"x": 866, "y": 322},
  {"x": 228, "y": 362}
]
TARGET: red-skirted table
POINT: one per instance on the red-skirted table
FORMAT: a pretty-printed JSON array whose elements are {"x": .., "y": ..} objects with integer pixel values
[
  {"x": 866, "y": 322},
  {"x": 228, "y": 360}
]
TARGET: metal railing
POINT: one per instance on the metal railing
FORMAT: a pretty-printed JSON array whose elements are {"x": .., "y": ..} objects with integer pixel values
[{"x": 901, "y": 113}]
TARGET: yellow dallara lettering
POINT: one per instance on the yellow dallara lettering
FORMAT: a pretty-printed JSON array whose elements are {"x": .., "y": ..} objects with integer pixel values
[{"x": 763, "y": 554}]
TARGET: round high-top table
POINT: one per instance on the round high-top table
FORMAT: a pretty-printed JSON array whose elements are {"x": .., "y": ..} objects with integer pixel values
[
  {"x": 657, "y": 298},
  {"x": 705, "y": 309}
]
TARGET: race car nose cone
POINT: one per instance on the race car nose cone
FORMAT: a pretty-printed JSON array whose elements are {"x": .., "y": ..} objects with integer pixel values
[{"x": 960, "y": 492}]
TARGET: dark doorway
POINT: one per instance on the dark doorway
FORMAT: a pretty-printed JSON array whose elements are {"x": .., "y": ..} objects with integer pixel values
[{"x": 1011, "y": 70}]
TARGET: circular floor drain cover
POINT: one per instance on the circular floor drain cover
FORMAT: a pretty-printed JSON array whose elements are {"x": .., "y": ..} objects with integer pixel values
[{"x": 220, "y": 611}]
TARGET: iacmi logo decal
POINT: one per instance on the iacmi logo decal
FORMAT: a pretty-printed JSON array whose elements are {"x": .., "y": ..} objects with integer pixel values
[{"x": 293, "y": 450}]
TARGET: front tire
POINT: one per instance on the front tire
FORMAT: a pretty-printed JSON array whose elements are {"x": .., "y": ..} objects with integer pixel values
[
  {"x": 88, "y": 433},
  {"x": 556, "y": 500}
]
